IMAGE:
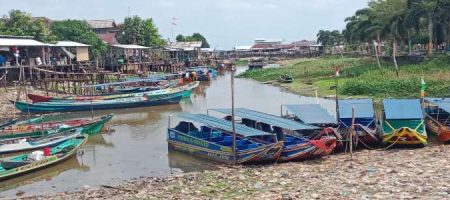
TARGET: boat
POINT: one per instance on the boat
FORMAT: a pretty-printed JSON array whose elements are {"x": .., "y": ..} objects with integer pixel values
[
  {"x": 256, "y": 63},
  {"x": 36, "y": 128},
  {"x": 74, "y": 106},
  {"x": 285, "y": 79},
  {"x": 403, "y": 122},
  {"x": 30, "y": 143},
  {"x": 316, "y": 115},
  {"x": 365, "y": 124},
  {"x": 8, "y": 123},
  {"x": 187, "y": 88},
  {"x": 25, "y": 163},
  {"x": 214, "y": 140},
  {"x": 296, "y": 146},
  {"x": 437, "y": 117}
]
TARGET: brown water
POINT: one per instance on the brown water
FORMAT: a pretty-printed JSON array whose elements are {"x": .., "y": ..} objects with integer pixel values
[{"x": 137, "y": 145}]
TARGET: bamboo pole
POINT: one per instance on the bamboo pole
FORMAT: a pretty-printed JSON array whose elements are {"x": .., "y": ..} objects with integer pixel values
[{"x": 232, "y": 115}]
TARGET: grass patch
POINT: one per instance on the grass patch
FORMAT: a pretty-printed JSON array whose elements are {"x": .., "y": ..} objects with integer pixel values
[{"x": 362, "y": 77}]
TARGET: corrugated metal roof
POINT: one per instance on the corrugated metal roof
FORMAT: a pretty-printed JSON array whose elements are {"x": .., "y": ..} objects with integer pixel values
[
  {"x": 20, "y": 42},
  {"x": 97, "y": 24},
  {"x": 402, "y": 109},
  {"x": 268, "y": 119},
  {"x": 222, "y": 124},
  {"x": 109, "y": 38},
  {"x": 186, "y": 46},
  {"x": 363, "y": 108},
  {"x": 70, "y": 44},
  {"x": 442, "y": 103},
  {"x": 129, "y": 46},
  {"x": 311, "y": 114}
]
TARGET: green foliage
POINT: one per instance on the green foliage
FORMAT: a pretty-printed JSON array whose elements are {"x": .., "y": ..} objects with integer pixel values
[
  {"x": 140, "y": 31},
  {"x": 79, "y": 31},
  {"x": 19, "y": 23},
  {"x": 192, "y": 38}
]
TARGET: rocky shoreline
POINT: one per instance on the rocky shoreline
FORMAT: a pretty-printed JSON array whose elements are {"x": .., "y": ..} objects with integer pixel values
[{"x": 420, "y": 173}]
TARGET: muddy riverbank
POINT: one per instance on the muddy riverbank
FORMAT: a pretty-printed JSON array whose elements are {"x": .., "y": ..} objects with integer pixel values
[{"x": 378, "y": 174}]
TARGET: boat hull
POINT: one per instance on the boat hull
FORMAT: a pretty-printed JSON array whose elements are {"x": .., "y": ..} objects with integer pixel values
[
  {"x": 223, "y": 154},
  {"x": 308, "y": 150},
  {"x": 442, "y": 132}
]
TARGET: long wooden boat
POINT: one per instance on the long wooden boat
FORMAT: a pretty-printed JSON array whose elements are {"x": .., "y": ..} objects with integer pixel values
[
  {"x": 214, "y": 140},
  {"x": 28, "y": 162},
  {"x": 437, "y": 117},
  {"x": 30, "y": 143},
  {"x": 296, "y": 146},
  {"x": 365, "y": 124},
  {"x": 37, "y": 128},
  {"x": 73, "y": 106},
  {"x": 154, "y": 93},
  {"x": 8, "y": 123},
  {"x": 403, "y": 122}
]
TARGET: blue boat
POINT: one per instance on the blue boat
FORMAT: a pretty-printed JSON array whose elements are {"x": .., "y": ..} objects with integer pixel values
[
  {"x": 214, "y": 140},
  {"x": 73, "y": 106},
  {"x": 296, "y": 146},
  {"x": 365, "y": 121}
]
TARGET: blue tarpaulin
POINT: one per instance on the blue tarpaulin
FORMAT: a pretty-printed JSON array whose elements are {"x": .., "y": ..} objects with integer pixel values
[
  {"x": 268, "y": 119},
  {"x": 222, "y": 124},
  {"x": 363, "y": 108},
  {"x": 402, "y": 109},
  {"x": 311, "y": 114},
  {"x": 442, "y": 103}
]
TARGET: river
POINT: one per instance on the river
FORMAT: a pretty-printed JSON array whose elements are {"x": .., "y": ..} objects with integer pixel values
[{"x": 136, "y": 146}]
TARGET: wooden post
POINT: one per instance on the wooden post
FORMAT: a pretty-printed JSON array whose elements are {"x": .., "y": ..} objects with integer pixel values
[
  {"x": 352, "y": 130},
  {"x": 232, "y": 114}
]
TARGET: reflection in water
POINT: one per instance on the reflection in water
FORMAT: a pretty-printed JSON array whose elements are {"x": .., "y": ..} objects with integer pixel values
[{"x": 138, "y": 147}]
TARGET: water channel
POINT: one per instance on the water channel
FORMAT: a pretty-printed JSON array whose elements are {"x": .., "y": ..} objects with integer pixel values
[{"x": 137, "y": 145}]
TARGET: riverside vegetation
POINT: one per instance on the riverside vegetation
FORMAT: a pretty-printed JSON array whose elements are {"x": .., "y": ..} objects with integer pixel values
[{"x": 361, "y": 77}]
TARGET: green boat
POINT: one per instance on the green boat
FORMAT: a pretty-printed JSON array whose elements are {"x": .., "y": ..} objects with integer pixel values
[
  {"x": 25, "y": 163},
  {"x": 39, "y": 129}
]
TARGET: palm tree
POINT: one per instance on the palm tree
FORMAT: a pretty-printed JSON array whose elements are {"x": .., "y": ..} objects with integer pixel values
[
  {"x": 395, "y": 29},
  {"x": 427, "y": 9}
]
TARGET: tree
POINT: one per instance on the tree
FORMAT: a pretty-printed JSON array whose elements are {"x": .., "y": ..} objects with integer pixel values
[
  {"x": 192, "y": 38},
  {"x": 20, "y": 23},
  {"x": 427, "y": 9},
  {"x": 79, "y": 31},
  {"x": 142, "y": 32}
]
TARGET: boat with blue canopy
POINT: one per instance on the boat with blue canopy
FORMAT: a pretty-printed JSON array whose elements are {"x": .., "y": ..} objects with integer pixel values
[
  {"x": 437, "y": 117},
  {"x": 214, "y": 140},
  {"x": 296, "y": 146},
  {"x": 365, "y": 124},
  {"x": 403, "y": 122},
  {"x": 314, "y": 114}
]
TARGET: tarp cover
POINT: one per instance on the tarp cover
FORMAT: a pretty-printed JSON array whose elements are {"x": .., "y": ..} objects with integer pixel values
[
  {"x": 402, "y": 109},
  {"x": 363, "y": 108},
  {"x": 311, "y": 114},
  {"x": 222, "y": 124},
  {"x": 267, "y": 119},
  {"x": 442, "y": 103}
]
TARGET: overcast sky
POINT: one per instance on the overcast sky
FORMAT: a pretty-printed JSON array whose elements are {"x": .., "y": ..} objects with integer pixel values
[{"x": 225, "y": 23}]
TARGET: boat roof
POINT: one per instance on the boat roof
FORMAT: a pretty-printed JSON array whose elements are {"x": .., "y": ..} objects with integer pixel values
[
  {"x": 268, "y": 119},
  {"x": 311, "y": 114},
  {"x": 442, "y": 103},
  {"x": 363, "y": 108},
  {"x": 222, "y": 124},
  {"x": 154, "y": 79},
  {"x": 402, "y": 109}
]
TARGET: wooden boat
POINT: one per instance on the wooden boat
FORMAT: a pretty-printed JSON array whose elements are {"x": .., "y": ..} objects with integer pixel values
[
  {"x": 8, "y": 123},
  {"x": 24, "y": 163},
  {"x": 285, "y": 79},
  {"x": 30, "y": 143},
  {"x": 437, "y": 117},
  {"x": 256, "y": 63},
  {"x": 73, "y": 106},
  {"x": 214, "y": 140},
  {"x": 403, "y": 122},
  {"x": 154, "y": 93},
  {"x": 316, "y": 115},
  {"x": 365, "y": 121},
  {"x": 37, "y": 128},
  {"x": 296, "y": 146}
]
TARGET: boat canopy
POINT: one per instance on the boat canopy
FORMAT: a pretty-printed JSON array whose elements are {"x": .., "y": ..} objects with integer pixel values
[
  {"x": 125, "y": 82},
  {"x": 222, "y": 124},
  {"x": 442, "y": 103},
  {"x": 402, "y": 109},
  {"x": 363, "y": 108},
  {"x": 311, "y": 114},
  {"x": 268, "y": 119}
]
